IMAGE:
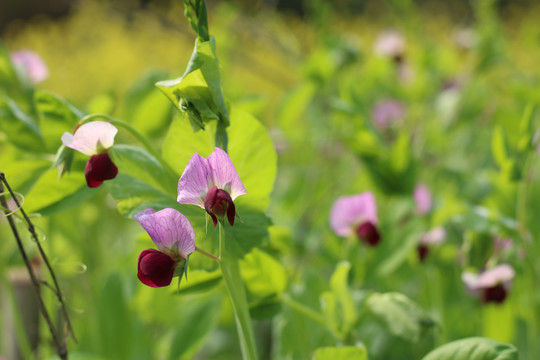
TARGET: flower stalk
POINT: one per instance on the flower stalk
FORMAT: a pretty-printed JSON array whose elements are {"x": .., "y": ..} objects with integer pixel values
[{"x": 235, "y": 288}]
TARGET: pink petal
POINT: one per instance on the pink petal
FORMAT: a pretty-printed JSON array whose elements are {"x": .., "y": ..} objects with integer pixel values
[
  {"x": 390, "y": 43},
  {"x": 422, "y": 197},
  {"x": 224, "y": 175},
  {"x": 350, "y": 211},
  {"x": 387, "y": 112},
  {"x": 170, "y": 230},
  {"x": 32, "y": 63},
  {"x": 434, "y": 236},
  {"x": 194, "y": 182},
  {"x": 91, "y": 137},
  {"x": 498, "y": 275}
]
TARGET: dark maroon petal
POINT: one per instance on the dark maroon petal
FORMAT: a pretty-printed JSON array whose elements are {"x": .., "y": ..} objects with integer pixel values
[
  {"x": 155, "y": 268},
  {"x": 217, "y": 203},
  {"x": 98, "y": 169},
  {"x": 423, "y": 252},
  {"x": 496, "y": 294},
  {"x": 368, "y": 233}
]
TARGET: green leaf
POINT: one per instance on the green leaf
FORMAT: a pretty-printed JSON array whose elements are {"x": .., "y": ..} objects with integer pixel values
[
  {"x": 262, "y": 274},
  {"x": 198, "y": 92},
  {"x": 400, "y": 154},
  {"x": 200, "y": 281},
  {"x": 340, "y": 289},
  {"x": 50, "y": 195},
  {"x": 20, "y": 128},
  {"x": 138, "y": 163},
  {"x": 474, "y": 348},
  {"x": 250, "y": 149},
  {"x": 56, "y": 117},
  {"x": 401, "y": 316},
  {"x": 341, "y": 353}
]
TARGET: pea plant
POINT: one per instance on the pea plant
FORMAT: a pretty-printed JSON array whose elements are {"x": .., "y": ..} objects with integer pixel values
[{"x": 340, "y": 265}]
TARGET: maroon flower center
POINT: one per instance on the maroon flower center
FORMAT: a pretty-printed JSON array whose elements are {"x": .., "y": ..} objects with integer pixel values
[
  {"x": 217, "y": 203},
  {"x": 423, "y": 252},
  {"x": 155, "y": 268},
  {"x": 368, "y": 233},
  {"x": 496, "y": 294},
  {"x": 98, "y": 169}
]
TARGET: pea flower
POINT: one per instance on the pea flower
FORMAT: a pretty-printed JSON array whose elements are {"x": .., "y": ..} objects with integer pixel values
[
  {"x": 490, "y": 285},
  {"x": 174, "y": 237},
  {"x": 428, "y": 239},
  {"x": 390, "y": 43},
  {"x": 387, "y": 112},
  {"x": 94, "y": 139},
  {"x": 422, "y": 197},
  {"x": 211, "y": 184},
  {"x": 356, "y": 215},
  {"x": 32, "y": 64}
]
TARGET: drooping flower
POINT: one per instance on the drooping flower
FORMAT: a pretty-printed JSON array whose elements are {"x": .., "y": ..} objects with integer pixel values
[
  {"x": 490, "y": 285},
  {"x": 94, "y": 139},
  {"x": 390, "y": 43},
  {"x": 428, "y": 239},
  {"x": 211, "y": 184},
  {"x": 174, "y": 237},
  {"x": 387, "y": 112},
  {"x": 422, "y": 197},
  {"x": 356, "y": 215},
  {"x": 32, "y": 64}
]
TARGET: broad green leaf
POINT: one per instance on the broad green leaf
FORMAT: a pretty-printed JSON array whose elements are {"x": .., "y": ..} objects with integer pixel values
[
  {"x": 474, "y": 348},
  {"x": 250, "y": 148},
  {"x": 401, "y": 316},
  {"x": 263, "y": 275},
  {"x": 20, "y": 128},
  {"x": 341, "y": 353},
  {"x": 57, "y": 116},
  {"x": 48, "y": 191},
  {"x": 198, "y": 91},
  {"x": 138, "y": 163}
]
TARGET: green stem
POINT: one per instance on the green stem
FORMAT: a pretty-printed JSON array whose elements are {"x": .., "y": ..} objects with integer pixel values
[
  {"x": 205, "y": 253},
  {"x": 235, "y": 287},
  {"x": 137, "y": 135}
]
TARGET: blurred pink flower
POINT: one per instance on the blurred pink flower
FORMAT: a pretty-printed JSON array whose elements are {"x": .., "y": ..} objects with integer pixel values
[
  {"x": 433, "y": 237},
  {"x": 386, "y": 112},
  {"x": 356, "y": 215},
  {"x": 390, "y": 43},
  {"x": 490, "y": 285},
  {"x": 174, "y": 237},
  {"x": 32, "y": 64},
  {"x": 422, "y": 197},
  {"x": 211, "y": 184},
  {"x": 94, "y": 139}
]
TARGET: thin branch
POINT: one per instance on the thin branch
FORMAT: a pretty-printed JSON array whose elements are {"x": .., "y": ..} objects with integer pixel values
[{"x": 60, "y": 347}]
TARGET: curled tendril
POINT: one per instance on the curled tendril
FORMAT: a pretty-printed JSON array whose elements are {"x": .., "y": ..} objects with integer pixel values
[{"x": 20, "y": 200}]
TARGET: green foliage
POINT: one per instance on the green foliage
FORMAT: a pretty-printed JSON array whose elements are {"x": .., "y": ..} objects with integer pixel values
[
  {"x": 341, "y": 353},
  {"x": 475, "y": 348}
]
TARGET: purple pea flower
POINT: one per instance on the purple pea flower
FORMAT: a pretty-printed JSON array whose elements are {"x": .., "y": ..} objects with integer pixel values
[
  {"x": 422, "y": 197},
  {"x": 32, "y": 64},
  {"x": 174, "y": 237},
  {"x": 490, "y": 285},
  {"x": 390, "y": 43},
  {"x": 94, "y": 139},
  {"x": 386, "y": 112},
  {"x": 428, "y": 239},
  {"x": 211, "y": 184},
  {"x": 356, "y": 215}
]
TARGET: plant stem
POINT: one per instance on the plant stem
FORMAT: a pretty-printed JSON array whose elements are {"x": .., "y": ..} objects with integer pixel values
[
  {"x": 137, "y": 135},
  {"x": 213, "y": 257},
  {"x": 235, "y": 288}
]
